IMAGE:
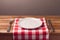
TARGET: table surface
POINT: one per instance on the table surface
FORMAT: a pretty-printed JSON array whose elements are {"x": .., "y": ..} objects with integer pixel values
[{"x": 4, "y": 22}]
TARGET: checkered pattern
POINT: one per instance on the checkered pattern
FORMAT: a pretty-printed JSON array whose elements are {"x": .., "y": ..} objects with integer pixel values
[{"x": 36, "y": 34}]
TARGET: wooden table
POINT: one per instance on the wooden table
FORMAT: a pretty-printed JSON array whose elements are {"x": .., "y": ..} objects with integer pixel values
[{"x": 4, "y": 23}]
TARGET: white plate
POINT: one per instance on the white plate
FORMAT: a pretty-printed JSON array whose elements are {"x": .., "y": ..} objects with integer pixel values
[{"x": 30, "y": 23}]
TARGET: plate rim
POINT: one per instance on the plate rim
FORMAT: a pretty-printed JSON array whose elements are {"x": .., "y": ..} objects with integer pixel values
[{"x": 29, "y": 28}]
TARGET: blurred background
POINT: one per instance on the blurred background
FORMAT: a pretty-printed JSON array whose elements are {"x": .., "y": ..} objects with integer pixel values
[{"x": 29, "y": 7}]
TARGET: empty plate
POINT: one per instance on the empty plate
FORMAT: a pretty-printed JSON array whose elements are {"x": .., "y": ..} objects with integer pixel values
[{"x": 30, "y": 23}]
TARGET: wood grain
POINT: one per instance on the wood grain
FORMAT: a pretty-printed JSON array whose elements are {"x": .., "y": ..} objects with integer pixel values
[{"x": 4, "y": 21}]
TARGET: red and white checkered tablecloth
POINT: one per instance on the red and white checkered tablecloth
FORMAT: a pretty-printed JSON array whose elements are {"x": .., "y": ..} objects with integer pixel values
[{"x": 36, "y": 34}]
